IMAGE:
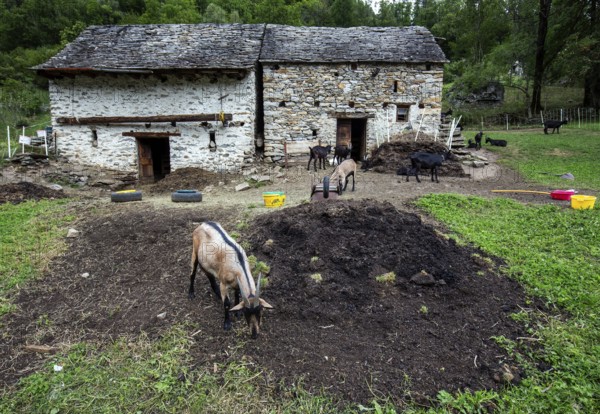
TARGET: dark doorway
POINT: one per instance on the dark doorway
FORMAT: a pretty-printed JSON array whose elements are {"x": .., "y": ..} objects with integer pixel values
[
  {"x": 153, "y": 159},
  {"x": 353, "y": 132}
]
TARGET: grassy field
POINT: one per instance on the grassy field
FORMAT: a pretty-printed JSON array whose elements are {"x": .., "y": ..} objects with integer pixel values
[
  {"x": 543, "y": 158},
  {"x": 553, "y": 252}
]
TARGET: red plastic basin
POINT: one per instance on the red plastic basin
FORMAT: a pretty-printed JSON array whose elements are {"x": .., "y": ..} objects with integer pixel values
[{"x": 562, "y": 194}]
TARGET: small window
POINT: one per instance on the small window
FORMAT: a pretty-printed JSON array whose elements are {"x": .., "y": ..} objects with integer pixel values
[
  {"x": 402, "y": 113},
  {"x": 395, "y": 86},
  {"x": 353, "y": 65},
  {"x": 94, "y": 138}
]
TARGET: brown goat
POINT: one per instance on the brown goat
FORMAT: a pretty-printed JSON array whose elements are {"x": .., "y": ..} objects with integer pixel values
[
  {"x": 342, "y": 174},
  {"x": 225, "y": 264}
]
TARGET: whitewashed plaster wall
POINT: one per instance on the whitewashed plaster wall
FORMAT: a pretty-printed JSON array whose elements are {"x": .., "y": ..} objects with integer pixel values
[
  {"x": 125, "y": 95},
  {"x": 301, "y": 98}
]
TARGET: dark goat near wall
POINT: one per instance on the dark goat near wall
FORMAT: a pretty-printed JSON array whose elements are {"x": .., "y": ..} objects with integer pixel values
[
  {"x": 496, "y": 142},
  {"x": 555, "y": 125},
  {"x": 427, "y": 161},
  {"x": 471, "y": 144},
  {"x": 478, "y": 139},
  {"x": 340, "y": 153},
  {"x": 318, "y": 153}
]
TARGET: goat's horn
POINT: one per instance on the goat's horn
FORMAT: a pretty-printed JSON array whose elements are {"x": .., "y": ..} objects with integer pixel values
[
  {"x": 258, "y": 284},
  {"x": 244, "y": 297}
]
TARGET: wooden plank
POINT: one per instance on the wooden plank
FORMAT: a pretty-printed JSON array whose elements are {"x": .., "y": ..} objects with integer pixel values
[
  {"x": 142, "y": 134},
  {"x": 146, "y": 119},
  {"x": 44, "y": 349}
]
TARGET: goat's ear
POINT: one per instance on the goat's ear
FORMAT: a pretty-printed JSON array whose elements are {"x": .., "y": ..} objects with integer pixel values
[
  {"x": 265, "y": 304},
  {"x": 238, "y": 307}
]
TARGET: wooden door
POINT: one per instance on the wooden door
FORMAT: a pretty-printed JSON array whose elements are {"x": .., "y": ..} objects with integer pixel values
[
  {"x": 344, "y": 132},
  {"x": 145, "y": 160}
]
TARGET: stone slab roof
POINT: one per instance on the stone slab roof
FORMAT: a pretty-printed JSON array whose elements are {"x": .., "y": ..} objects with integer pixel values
[
  {"x": 412, "y": 44},
  {"x": 165, "y": 47},
  {"x": 161, "y": 47}
]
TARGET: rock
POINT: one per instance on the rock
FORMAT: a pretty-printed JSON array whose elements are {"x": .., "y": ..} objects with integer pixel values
[
  {"x": 162, "y": 315},
  {"x": 423, "y": 279},
  {"x": 85, "y": 275},
  {"x": 242, "y": 187},
  {"x": 55, "y": 187},
  {"x": 507, "y": 374},
  {"x": 478, "y": 164},
  {"x": 264, "y": 178},
  {"x": 104, "y": 181},
  {"x": 72, "y": 233},
  {"x": 267, "y": 246}
]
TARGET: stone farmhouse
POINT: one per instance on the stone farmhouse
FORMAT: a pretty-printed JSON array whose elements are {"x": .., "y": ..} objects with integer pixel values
[{"x": 150, "y": 99}]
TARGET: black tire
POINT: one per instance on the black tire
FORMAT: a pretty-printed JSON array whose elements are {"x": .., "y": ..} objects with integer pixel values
[
  {"x": 186, "y": 196},
  {"x": 124, "y": 196},
  {"x": 326, "y": 187}
]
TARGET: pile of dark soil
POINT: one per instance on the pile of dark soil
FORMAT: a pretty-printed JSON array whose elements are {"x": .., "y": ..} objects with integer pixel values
[
  {"x": 390, "y": 156},
  {"x": 189, "y": 179},
  {"x": 24, "y": 191},
  {"x": 348, "y": 334},
  {"x": 357, "y": 337}
]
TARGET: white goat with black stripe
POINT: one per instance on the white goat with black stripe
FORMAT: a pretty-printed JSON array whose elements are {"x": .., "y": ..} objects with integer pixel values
[{"x": 223, "y": 259}]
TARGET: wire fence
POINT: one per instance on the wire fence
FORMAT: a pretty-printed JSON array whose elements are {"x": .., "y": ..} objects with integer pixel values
[{"x": 588, "y": 118}]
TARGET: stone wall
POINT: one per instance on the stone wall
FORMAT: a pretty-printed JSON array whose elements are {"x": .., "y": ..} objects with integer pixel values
[
  {"x": 301, "y": 100},
  {"x": 126, "y": 95}
]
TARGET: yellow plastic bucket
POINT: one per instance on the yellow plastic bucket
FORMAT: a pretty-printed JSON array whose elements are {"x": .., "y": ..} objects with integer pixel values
[
  {"x": 582, "y": 202},
  {"x": 274, "y": 198}
]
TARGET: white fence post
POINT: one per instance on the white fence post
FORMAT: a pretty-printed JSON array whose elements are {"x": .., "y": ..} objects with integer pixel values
[{"x": 8, "y": 138}]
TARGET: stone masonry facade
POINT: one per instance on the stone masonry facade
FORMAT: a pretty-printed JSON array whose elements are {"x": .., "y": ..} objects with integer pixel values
[
  {"x": 302, "y": 102},
  {"x": 105, "y": 96}
]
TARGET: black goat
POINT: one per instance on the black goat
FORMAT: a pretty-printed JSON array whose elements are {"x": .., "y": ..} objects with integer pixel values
[
  {"x": 478, "y": 138},
  {"x": 555, "y": 125},
  {"x": 340, "y": 153},
  {"x": 426, "y": 160},
  {"x": 319, "y": 153},
  {"x": 496, "y": 142},
  {"x": 471, "y": 144}
]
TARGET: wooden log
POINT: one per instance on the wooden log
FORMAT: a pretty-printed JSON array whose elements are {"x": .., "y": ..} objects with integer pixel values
[
  {"x": 145, "y": 119},
  {"x": 44, "y": 349},
  {"x": 142, "y": 134}
]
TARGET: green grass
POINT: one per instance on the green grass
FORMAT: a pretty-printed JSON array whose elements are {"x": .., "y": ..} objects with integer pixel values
[
  {"x": 555, "y": 254},
  {"x": 30, "y": 235},
  {"x": 144, "y": 376},
  {"x": 541, "y": 158}
]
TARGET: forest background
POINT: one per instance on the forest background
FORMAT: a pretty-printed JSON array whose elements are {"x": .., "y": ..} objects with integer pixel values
[{"x": 526, "y": 45}]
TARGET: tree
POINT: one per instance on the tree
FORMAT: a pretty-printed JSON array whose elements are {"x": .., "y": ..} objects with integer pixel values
[
  {"x": 170, "y": 11},
  {"x": 394, "y": 13},
  {"x": 540, "y": 48}
]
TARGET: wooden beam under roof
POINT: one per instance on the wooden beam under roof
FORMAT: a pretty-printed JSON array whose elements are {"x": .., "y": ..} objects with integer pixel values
[
  {"x": 142, "y": 134},
  {"x": 157, "y": 118}
]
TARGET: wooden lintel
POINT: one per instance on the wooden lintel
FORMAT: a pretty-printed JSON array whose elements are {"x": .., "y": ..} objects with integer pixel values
[
  {"x": 145, "y": 119},
  {"x": 142, "y": 134}
]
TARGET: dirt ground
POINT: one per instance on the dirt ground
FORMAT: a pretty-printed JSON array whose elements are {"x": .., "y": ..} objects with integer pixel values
[{"x": 349, "y": 335}]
